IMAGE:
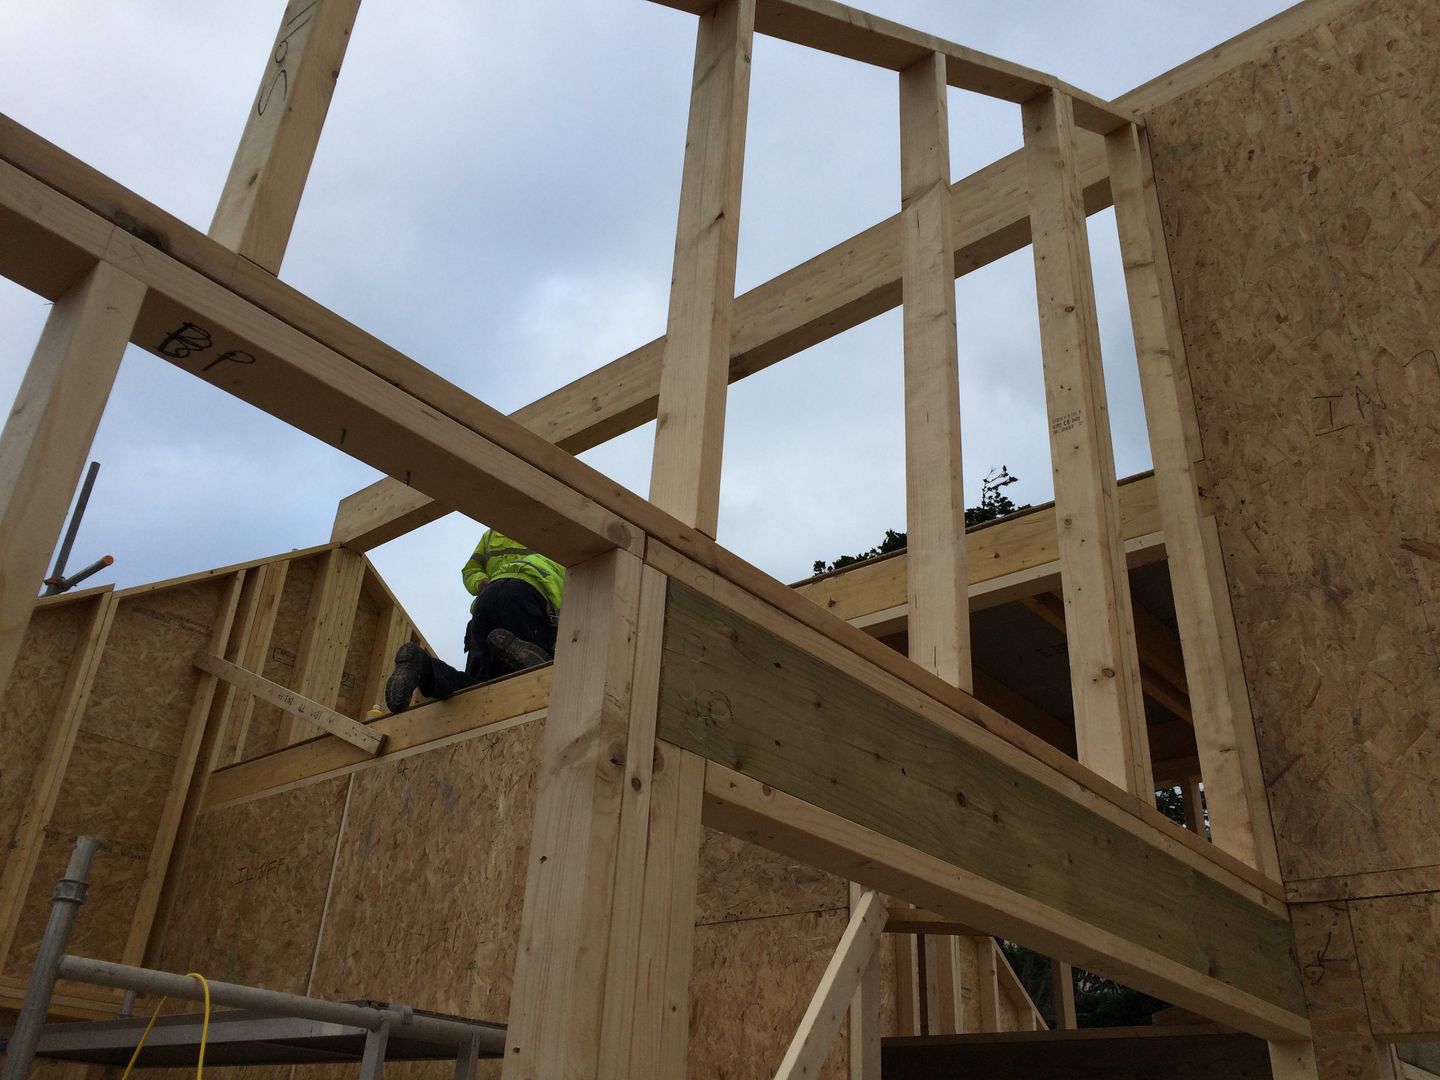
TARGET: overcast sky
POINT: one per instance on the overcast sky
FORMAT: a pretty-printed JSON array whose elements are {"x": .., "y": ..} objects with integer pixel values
[{"x": 495, "y": 195}]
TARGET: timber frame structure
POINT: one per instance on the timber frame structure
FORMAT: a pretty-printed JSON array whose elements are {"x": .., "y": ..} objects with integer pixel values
[{"x": 691, "y": 690}]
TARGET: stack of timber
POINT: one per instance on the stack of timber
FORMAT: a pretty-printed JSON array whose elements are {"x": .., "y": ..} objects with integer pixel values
[
  {"x": 110, "y": 729},
  {"x": 1299, "y": 192}
]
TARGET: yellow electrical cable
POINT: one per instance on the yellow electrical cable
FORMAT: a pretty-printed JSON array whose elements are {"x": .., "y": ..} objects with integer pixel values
[{"x": 204, "y": 1030}]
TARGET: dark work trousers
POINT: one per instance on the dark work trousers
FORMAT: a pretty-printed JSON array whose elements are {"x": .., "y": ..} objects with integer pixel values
[{"x": 506, "y": 604}]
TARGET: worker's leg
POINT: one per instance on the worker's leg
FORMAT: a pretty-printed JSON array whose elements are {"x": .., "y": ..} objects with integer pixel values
[{"x": 510, "y": 605}]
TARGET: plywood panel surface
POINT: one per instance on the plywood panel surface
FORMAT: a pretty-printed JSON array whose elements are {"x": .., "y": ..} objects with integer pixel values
[
  {"x": 252, "y": 889},
  {"x": 146, "y": 682},
  {"x": 27, "y": 710},
  {"x": 742, "y": 1016},
  {"x": 1397, "y": 941},
  {"x": 430, "y": 878},
  {"x": 1300, "y": 195}
]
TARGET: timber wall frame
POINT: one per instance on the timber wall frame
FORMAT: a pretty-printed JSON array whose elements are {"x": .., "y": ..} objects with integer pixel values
[{"x": 688, "y": 685}]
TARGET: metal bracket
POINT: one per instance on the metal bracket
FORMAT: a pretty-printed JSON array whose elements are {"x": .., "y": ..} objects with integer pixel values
[{"x": 70, "y": 890}]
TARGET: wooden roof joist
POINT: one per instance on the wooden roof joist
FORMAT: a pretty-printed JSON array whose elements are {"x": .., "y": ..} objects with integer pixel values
[{"x": 857, "y": 35}]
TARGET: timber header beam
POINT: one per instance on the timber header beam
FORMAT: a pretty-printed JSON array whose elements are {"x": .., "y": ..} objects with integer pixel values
[{"x": 841, "y": 30}]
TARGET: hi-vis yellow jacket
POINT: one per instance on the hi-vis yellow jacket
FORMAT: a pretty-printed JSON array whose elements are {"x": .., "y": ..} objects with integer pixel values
[{"x": 497, "y": 557}]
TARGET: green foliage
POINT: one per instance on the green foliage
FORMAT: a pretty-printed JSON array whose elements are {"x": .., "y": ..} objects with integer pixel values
[
  {"x": 1098, "y": 1002},
  {"x": 993, "y": 504}
]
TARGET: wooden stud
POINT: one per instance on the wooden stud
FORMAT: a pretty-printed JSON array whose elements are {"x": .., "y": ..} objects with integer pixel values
[
  {"x": 609, "y": 893},
  {"x": 182, "y": 776},
  {"x": 254, "y": 649},
  {"x": 29, "y": 835},
  {"x": 1104, "y": 667},
  {"x": 48, "y": 434},
  {"x": 325, "y": 643},
  {"x": 1062, "y": 995},
  {"x": 1051, "y": 609},
  {"x": 647, "y": 1008},
  {"x": 1224, "y": 730},
  {"x": 840, "y": 983},
  {"x": 939, "y": 620},
  {"x": 293, "y": 704},
  {"x": 939, "y": 611},
  {"x": 1193, "y": 800},
  {"x": 690, "y": 428},
  {"x": 987, "y": 983},
  {"x": 262, "y": 193},
  {"x": 908, "y": 1007},
  {"x": 865, "y": 1007}
]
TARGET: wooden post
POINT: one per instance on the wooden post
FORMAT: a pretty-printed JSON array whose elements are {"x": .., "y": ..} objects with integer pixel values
[
  {"x": 1062, "y": 995},
  {"x": 690, "y": 428},
  {"x": 987, "y": 982},
  {"x": 1104, "y": 667},
  {"x": 267, "y": 177},
  {"x": 606, "y": 932},
  {"x": 48, "y": 435},
  {"x": 320, "y": 662},
  {"x": 254, "y": 647},
  {"x": 939, "y": 605},
  {"x": 865, "y": 1009},
  {"x": 1224, "y": 729}
]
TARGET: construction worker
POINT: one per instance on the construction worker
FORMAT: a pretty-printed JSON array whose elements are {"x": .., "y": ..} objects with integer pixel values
[{"x": 512, "y": 623}]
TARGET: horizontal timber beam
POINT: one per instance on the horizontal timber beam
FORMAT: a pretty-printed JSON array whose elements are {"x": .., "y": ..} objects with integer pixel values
[
  {"x": 800, "y": 745},
  {"x": 486, "y": 709},
  {"x": 1007, "y": 559},
  {"x": 202, "y": 326},
  {"x": 762, "y": 814},
  {"x": 841, "y": 30}
]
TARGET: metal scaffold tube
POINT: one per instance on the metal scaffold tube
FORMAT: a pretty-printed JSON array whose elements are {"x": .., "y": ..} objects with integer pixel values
[
  {"x": 69, "y": 895},
  {"x": 401, "y": 1019}
]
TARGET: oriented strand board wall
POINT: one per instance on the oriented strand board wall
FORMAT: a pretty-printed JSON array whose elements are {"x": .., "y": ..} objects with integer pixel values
[
  {"x": 424, "y": 902},
  {"x": 123, "y": 761},
  {"x": 1301, "y": 199}
]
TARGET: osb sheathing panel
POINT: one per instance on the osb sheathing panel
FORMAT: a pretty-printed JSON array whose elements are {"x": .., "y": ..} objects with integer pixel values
[
  {"x": 279, "y": 663},
  {"x": 27, "y": 711},
  {"x": 427, "y": 892},
  {"x": 357, "y": 659},
  {"x": 1344, "y": 1045},
  {"x": 252, "y": 889},
  {"x": 123, "y": 761},
  {"x": 430, "y": 878},
  {"x": 1397, "y": 940},
  {"x": 1300, "y": 198},
  {"x": 742, "y": 1017}
]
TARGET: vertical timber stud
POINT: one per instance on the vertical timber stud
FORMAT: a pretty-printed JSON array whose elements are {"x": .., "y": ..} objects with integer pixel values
[
  {"x": 690, "y": 428},
  {"x": 1224, "y": 734},
  {"x": 267, "y": 177},
  {"x": 48, "y": 434},
  {"x": 1104, "y": 668},
  {"x": 1294, "y": 1060},
  {"x": 554, "y": 1028},
  {"x": 934, "y": 493}
]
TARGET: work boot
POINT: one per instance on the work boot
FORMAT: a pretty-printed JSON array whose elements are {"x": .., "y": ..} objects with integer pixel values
[
  {"x": 513, "y": 653},
  {"x": 410, "y": 663}
]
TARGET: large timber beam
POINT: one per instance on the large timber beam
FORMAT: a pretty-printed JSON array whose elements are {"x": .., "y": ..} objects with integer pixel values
[
  {"x": 849, "y": 772},
  {"x": 845, "y": 31}
]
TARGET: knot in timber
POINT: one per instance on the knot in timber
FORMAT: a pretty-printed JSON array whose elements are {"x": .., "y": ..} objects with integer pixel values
[{"x": 714, "y": 709}]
